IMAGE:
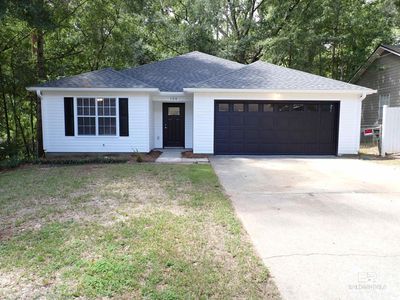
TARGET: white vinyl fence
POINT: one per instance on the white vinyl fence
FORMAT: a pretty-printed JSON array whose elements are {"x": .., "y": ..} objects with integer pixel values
[{"x": 390, "y": 137}]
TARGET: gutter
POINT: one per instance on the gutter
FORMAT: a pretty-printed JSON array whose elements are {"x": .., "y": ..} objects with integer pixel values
[
  {"x": 39, "y": 94},
  {"x": 215, "y": 90},
  {"x": 41, "y": 89}
]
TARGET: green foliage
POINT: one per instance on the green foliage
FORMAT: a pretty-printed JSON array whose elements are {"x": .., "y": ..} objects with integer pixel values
[
  {"x": 11, "y": 163},
  {"x": 82, "y": 161},
  {"x": 326, "y": 37}
]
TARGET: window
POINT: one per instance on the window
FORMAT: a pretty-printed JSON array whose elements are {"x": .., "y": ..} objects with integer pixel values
[
  {"x": 86, "y": 112},
  {"x": 327, "y": 107},
  {"x": 97, "y": 116},
  {"x": 383, "y": 100},
  {"x": 268, "y": 108},
  {"x": 223, "y": 107},
  {"x": 106, "y": 111},
  {"x": 174, "y": 111},
  {"x": 238, "y": 107},
  {"x": 283, "y": 107},
  {"x": 253, "y": 107},
  {"x": 312, "y": 107},
  {"x": 298, "y": 107}
]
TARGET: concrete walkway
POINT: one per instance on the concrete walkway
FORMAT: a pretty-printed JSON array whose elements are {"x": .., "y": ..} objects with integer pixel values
[
  {"x": 327, "y": 228},
  {"x": 174, "y": 156}
]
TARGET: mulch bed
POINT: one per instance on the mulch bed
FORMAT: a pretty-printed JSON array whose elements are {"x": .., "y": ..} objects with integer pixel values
[
  {"x": 190, "y": 154},
  {"x": 146, "y": 157}
]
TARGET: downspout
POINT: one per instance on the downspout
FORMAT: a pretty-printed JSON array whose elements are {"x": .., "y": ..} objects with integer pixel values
[{"x": 39, "y": 94}]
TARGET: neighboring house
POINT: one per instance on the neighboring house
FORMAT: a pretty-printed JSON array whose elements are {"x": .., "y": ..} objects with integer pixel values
[
  {"x": 381, "y": 72},
  {"x": 203, "y": 102}
]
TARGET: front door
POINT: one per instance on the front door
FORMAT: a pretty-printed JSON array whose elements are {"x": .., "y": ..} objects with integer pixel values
[{"x": 174, "y": 124}]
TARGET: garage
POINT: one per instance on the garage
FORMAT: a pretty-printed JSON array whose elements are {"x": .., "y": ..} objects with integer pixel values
[{"x": 276, "y": 128}]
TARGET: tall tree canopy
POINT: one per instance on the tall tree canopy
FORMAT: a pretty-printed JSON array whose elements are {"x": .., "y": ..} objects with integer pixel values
[{"x": 46, "y": 39}]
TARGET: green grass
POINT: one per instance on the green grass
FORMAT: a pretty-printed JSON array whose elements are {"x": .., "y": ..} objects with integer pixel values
[{"x": 126, "y": 231}]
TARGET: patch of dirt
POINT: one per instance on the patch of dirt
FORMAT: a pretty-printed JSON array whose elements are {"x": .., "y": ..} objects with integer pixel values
[
  {"x": 146, "y": 157},
  {"x": 103, "y": 202},
  {"x": 5, "y": 233},
  {"x": 190, "y": 154},
  {"x": 21, "y": 286}
]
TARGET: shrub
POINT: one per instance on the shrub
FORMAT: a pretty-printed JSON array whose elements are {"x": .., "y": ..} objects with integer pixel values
[
  {"x": 11, "y": 163},
  {"x": 82, "y": 161}
]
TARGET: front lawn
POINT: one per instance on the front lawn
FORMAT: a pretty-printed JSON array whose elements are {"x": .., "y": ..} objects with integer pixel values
[{"x": 129, "y": 231}]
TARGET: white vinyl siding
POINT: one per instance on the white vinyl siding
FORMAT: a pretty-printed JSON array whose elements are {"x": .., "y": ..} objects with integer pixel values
[
  {"x": 349, "y": 126},
  {"x": 54, "y": 138}
]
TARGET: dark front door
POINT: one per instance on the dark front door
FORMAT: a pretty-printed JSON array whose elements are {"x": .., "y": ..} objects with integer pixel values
[
  {"x": 266, "y": 127},
  {"x": 174, "y": 124}
]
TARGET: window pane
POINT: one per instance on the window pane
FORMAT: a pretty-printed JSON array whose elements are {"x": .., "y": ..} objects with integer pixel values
[
  {"x": 174, "y": 111},
  {"x": 327, "y": 107},
  {"x": 223, "y": 107},
  {"x": 107, "y": 126},
  {"x": 238, "y": 107},
  {"x": 312, "y": 107},
  {"x": 283, "y": 107},
  {"x": 268, "y": 107},
  {"x": 298, "y": 107},
  {"x": 86, "y": 125},
  {"x": 253, "y": 107},
  {"x": 86, "y": 107}
]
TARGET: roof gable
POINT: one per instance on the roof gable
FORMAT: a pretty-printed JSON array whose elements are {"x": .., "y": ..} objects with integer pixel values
[
  {"x": 176, "y": 73},
  {"x": 104, "y": 78},
  {"x": 262, "y": 75},
  {"x": 381, "y": 49}
]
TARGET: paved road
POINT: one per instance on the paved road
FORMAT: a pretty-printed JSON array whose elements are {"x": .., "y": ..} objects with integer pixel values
[{"x": 327, "y": 228}]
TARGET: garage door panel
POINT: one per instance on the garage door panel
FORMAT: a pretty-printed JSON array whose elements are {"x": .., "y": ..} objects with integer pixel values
[
  {"x": 266, "y": 122},
  {"x": 286, "y": 128},
  {"x": 236, "y": 119},
  {"x": 237, "y": 135},
  {"x": 252, "y": 120}
]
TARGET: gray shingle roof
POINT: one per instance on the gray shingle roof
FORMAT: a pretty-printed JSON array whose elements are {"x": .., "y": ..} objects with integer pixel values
[
  {"x": 200, "y": 70},
  {"x": 182, "y": 71},
  {"x": 105, "y": 78},
  {"x": 261, "y": 75},
  {"x": 395, "y": 48}
]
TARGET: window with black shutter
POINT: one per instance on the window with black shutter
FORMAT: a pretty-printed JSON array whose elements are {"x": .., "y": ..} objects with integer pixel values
[
  {"x": 69, "y": 116},
  {"x": 123, "y": 117}
]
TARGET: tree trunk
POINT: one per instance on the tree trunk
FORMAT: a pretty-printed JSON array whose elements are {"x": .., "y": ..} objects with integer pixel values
[
  {"x": 31, "y": 119},
  {"x": 5, "y": 107},
  {"x": 38, "y": 38}
]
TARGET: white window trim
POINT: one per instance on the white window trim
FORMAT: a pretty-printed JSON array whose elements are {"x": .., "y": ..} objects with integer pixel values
[{"x": 96, "y": 118}]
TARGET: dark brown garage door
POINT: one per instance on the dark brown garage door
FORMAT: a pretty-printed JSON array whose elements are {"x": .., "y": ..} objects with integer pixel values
[{"x": 262, "y": 127}]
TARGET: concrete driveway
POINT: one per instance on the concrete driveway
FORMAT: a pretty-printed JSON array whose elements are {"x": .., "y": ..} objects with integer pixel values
[{"x": 327, "y": 228}]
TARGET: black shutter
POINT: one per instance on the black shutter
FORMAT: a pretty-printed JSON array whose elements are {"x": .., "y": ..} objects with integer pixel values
[
  {"x": 69, "y": 116},
  {"x": 123, "y": 117}
]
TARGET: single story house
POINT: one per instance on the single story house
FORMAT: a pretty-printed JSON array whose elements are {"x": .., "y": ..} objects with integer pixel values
[
  {"x": 203, "y": 102},
  {"x": 380, "y": 72}
]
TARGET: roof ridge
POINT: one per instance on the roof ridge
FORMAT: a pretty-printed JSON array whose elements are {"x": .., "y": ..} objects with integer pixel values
[
  {"x": 221, "y": 75},
  {"x": 180, "y": 55},
  {"x": 154, "y": 62}
]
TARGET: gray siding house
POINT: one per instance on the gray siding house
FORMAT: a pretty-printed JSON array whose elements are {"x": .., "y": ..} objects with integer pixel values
[{"x": 381, "y": 72}]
